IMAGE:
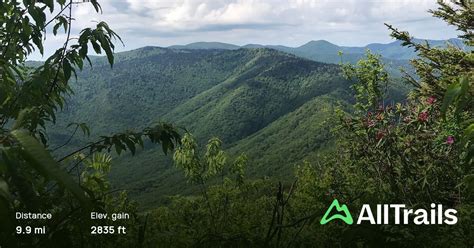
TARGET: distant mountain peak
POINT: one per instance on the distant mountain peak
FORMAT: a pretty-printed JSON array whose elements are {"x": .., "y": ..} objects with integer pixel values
[
  {"x": 319, "y": 42},
  {"x": 206, "y": 45},
  {"x": 320, "y": 45},
  {"x": 253, "y": 46}
]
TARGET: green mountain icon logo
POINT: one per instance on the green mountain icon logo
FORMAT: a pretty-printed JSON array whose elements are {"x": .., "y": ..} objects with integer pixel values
[{"x": 346, "y": 217}]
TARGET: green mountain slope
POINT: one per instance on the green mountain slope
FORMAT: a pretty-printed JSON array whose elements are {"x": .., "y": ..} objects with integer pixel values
[
  {"x": 258, "y": 101},
  {"x": 145, "y": 84},
  {"x": 267, "y": 87},
  {"x": 293, "y": 137},
  {"x": 274, "y": 151}
]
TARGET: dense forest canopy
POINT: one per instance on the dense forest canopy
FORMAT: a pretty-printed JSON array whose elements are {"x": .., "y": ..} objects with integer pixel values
[{"x": 258, "y": 101}]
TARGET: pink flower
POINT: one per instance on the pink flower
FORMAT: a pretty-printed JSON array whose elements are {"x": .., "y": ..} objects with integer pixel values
[
  {"x": 450, "y": 140},
  {"x": 431, "y": 100},
  {"x": 423, "y": 116}
]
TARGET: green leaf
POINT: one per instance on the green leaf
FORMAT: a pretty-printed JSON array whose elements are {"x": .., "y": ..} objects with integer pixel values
[
  {"x": 83, "y": 51},
  {"x": 50, "y": 4},
  {"x": 44, "y": 163},
  {"x": 20, "y": 120},
  {"x": 78, "y": 61},
  {"x": 96, "y": 5},
  {"x": 56, "y": 27},
  {"x": 469, "y": 131},
  {"x": 27, "y": 2},
  {"x": 452, "y": 93},
  {"x": 38, "y": 15},
  {"x": 67, "y": 69},
  {"x": 61, "y": 21},
  {"x": 85, "y": 129},
  {"x": 96, "y": 46},
  {"x": 119, "y": 147},
  {"x": 131, "y": 145},
  {"x": 39, "y": 43},
  {"x": 105, "y": 43},
  {"x": 462, "y": 100}
]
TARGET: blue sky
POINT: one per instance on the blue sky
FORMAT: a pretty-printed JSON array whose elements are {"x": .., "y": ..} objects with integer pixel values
[{"x": 283, "y": 22}]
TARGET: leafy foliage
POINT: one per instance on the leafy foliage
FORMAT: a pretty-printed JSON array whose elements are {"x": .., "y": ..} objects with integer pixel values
[
  {"x": 214, "y": 162},
  {"x": 31, "y": 178},
  {"x": 369, "y": 76}
]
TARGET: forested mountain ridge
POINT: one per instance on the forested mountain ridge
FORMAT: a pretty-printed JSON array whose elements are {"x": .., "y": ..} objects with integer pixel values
[
  {"x": 394, "y": 55},
  {"x": 258, "y": 101},
  {"x": 159, "y": 80},
  {"x": 267, "y": 87},
  {"x": 327, "y": 51},
  {"x": 151, "y": 80}
]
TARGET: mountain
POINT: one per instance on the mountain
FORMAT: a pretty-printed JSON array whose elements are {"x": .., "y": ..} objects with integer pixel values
[
  {"x": 327, "y": 52},
  {"x": 253, "y": 46},
  {"x": 274, "y": 106},
  {"x": 206, "y": 45},
  {"x": 295, "y": 136},
  {"x": 319, "y": 46},
  {"x": 268, "y": 86},
  {"x": 393, "y": 51}
]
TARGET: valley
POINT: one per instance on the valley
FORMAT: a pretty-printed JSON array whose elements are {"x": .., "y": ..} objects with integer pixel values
[{"x": 274, "y": 106}]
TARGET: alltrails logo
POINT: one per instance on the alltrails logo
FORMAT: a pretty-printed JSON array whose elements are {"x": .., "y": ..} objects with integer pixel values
[
  {"x": 347, "y": 217},
  {"x": 401, "y": 215}
]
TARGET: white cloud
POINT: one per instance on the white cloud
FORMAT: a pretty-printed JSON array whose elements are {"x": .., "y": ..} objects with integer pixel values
[{"x": 286, "y": 22}]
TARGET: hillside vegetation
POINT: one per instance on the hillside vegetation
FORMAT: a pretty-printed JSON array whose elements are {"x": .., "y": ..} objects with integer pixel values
[
  {"x": 295, "y": 135},
  {"x": 258, "y": 101}
]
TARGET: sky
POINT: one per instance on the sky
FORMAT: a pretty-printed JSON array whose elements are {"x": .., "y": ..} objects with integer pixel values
[{"x": 269, "y": 22}]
